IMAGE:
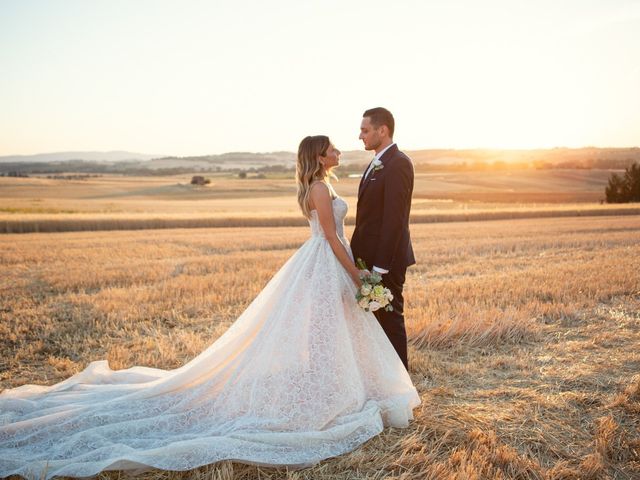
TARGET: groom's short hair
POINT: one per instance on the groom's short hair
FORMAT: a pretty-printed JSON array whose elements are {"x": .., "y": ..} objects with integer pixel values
[{"x": 381, "y": 116}]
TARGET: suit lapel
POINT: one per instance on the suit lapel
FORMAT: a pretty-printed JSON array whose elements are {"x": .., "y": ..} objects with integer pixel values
[
  {"x": 364, "y": 182},
  {"x": 362, "y": 178}
]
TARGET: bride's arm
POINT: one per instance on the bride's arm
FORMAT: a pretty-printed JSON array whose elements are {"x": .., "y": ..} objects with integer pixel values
[{"x": 321, "y": 201}]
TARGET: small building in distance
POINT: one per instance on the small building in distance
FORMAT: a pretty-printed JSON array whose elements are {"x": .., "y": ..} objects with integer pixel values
[{"x": 199, "y": 180}]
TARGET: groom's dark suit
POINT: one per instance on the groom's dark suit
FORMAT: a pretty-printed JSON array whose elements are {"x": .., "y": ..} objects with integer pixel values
[{"x": 381, "y": 236}]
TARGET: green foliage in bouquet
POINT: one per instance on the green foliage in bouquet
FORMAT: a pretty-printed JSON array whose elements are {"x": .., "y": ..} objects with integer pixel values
[{"x": 372, "y": 295}]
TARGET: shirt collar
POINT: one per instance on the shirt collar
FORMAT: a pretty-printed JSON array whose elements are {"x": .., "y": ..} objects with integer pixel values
[{"x": 379, "y": 155}]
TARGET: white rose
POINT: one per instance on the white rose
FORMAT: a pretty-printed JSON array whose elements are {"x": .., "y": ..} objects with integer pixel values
[
  {"x": 364, "y": 303},
  {"x": 365, "y": 289},
  {"x": 373, "y": 306},
  {"x": 377, "y": 162}
]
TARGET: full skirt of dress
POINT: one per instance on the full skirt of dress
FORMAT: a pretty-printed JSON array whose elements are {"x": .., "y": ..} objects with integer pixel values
[{"x": 302, "y": 375}]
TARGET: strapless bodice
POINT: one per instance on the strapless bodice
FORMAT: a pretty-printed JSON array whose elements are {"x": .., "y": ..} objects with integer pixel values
[{"x": 340, "y": 208}]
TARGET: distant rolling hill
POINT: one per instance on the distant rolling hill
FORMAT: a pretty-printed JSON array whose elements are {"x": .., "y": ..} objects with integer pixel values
[
  {"x": 112, "y": 156},
  {"x": 425, "y": 160},
  {"x": 586, "y": 157}
]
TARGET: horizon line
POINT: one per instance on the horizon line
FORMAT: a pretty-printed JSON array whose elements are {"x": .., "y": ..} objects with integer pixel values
[{"x": 585, "y": 147}]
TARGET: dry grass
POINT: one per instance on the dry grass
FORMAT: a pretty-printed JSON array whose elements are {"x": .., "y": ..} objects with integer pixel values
[
  {"x": 525, "y": 336},
  {"x": 134, "y": 203},
  {"x": 79, "y": 222}
]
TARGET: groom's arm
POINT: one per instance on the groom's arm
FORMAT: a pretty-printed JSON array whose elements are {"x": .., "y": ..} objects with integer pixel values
[{"x": 395, "y": 211}]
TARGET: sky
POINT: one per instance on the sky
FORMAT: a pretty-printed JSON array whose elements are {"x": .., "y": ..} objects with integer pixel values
[{"x": 204, "y": 77}]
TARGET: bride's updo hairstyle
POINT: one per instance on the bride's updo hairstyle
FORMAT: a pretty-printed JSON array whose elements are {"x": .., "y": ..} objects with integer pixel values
[{"x": 308, "y": 167}]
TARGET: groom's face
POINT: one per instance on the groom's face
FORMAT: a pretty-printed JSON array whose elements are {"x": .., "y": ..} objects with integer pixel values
[{"x": 370, "y": 135}]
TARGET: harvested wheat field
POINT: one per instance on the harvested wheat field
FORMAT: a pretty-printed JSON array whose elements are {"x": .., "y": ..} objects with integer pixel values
[
  {"x": 525, "y": 336},
  {"x": 117, "y": 202}
]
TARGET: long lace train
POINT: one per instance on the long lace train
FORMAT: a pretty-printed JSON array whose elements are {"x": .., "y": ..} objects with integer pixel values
[{"x": 302, "y": 375}]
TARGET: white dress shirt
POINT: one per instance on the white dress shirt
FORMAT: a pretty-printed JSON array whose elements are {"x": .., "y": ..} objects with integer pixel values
[{"x": 377, "y": 157}]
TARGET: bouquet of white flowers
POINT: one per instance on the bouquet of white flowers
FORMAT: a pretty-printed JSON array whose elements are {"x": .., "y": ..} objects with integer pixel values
[{"x": 373, "y": 295}]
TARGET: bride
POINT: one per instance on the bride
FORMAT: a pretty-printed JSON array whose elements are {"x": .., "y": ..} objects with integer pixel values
[{"x": 302, "y": 375}]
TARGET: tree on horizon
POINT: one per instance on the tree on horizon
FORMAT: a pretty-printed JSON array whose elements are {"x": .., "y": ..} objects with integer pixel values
[{"x": 625, "y": 188}]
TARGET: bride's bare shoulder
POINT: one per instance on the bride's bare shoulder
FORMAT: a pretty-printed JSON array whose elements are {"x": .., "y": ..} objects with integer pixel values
[
  {"x": 318, "y": 194},
  {"x": 326, "y": 189},
  {"x": 315, "y": 186}
]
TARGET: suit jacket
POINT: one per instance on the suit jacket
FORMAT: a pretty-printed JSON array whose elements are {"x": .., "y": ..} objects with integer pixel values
[{"x": 381, "y": 235}]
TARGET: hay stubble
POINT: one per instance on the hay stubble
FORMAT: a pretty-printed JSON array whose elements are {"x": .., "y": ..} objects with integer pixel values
[{"x": 525, "y": 335}]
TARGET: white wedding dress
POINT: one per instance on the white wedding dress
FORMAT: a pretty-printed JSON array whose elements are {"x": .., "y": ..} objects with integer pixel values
[{"x": 302, "y": 375}]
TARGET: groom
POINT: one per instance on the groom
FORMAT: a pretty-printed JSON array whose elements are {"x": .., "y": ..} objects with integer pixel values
[{"x": 381, "y": 236}]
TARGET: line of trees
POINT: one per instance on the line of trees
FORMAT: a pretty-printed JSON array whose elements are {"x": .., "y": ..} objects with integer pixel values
[{"x": 625, "y": 188}]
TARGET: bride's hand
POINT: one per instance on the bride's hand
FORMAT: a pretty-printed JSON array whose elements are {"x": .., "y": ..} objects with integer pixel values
[{"x": 356, "y": 278}]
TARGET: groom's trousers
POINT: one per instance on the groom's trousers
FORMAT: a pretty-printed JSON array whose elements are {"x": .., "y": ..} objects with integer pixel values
[{"x": 393, "y": 322}]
